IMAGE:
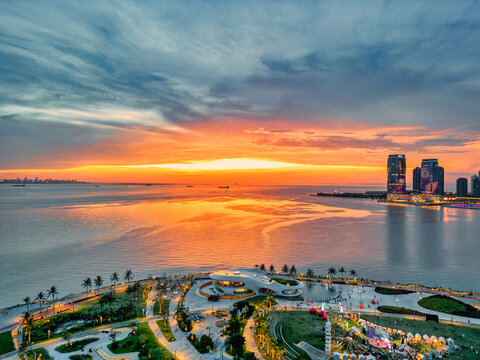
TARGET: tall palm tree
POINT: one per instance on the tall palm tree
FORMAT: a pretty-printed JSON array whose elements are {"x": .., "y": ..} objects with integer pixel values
[
  {"x": 98, "y": 282},
  {"x": 332, "y": 271},
  {"x": 128, "y": 275},
  {"x": 353, "y": 273},
  {"x": 27, "y": 301},
  {"x": 27, "y": 321},
  {"x": 87, "y": 283},
  {"x": 272, "y": 269},
  {"x": 342, "y": 270},
  {"x": 67, "y": 336},
  {"x": 41, "y": 298},
  {"x": 108, "y": 299},
  {"x": 262, "y": 267},
  {"x": 53, "y": 292},
  {"x": 293, "y": 270},
  {"x": 309, "y": 273},
  {"x": 114, "y": 278},
  {"x": 285, "y": 269}
]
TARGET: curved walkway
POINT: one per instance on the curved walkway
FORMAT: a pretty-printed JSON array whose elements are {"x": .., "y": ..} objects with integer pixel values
[{"x": 249, "y": 335}]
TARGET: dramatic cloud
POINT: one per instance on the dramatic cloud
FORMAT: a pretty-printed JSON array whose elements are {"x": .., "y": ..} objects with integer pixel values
[{"x": 81, "y": 78}]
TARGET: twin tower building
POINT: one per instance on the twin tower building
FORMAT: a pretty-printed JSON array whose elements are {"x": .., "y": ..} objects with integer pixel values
[{"x": 427, "y": 179}]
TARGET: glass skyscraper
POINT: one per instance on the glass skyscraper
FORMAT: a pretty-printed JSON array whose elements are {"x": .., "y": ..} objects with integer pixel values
[
  {"x": 417, "y": 180},
  {"x": 397, "y": 171},
  {"x": 432, "y": 177},
  {"x": 462, "y": 187}
]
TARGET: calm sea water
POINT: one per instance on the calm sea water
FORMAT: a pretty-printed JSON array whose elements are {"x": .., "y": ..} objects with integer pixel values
[{"x": 60, "y": 234}]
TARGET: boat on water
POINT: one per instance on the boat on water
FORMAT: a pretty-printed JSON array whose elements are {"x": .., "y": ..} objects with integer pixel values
[
  {"x": 190, "y": 186},
  {"x": 224, "y": 187},
  {"x": 148, "y": 184}
]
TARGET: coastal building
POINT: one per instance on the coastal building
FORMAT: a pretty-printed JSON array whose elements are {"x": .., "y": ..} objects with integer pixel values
[
  {"x": 417, "y": 180},
  {"x": 476, "y": 187},
  {"x": 432, "y": 177},
  {"x": 462, "y": 187},
  {"x": 473, "y": 179},
  {"x": 245, "y": 282},
  {"x": 396, "y": 174}
]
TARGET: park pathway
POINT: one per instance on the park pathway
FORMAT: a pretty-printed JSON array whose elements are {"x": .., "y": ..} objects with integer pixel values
[{"x": 249, "y": 335}]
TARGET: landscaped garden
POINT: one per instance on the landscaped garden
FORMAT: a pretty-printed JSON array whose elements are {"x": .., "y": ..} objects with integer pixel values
[
  {"x": 142, "y": 340},
  {"x": 109, "y": 308},
  {"x": 391, "y": 291},
  {"x": 203, "y": 345},
  {"x": 6, "y": 343},
  {"x": 449, "y": 305},
  {"x": 399, "y": 310},
  {"x": 37, "y": 353},
  {"x": 75, "y": 346},
  {"x": 464, "y": 336},
  {"x": 288, "y": 282}
]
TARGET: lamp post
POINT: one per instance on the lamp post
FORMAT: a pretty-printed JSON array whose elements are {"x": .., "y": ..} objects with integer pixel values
[
  {"x": 48, "y": 334},
  {"x": 101, "y": 321}
]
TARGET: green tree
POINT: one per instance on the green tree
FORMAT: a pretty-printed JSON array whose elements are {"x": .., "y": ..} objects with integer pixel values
[
  {"x": 353, "y": 273},
  {"x": 342, "y": 271},
  {"x": 262, "y": 267},
  {"x": 87, "y": 283},
  {"x": 128, "y": 276},
  {"x": 293, "y": 270},
  {"x": 67, "y": 336},
  {"x": 272, "y": 269},
  {"x": 98, "y": 283},
  {"x": 27, "y": 300},
  {"x": 309, "y": 273},
  {"x": 108, "y": 299},
  {"x": 332, "y": 271},
  {"x": 285, "y": 269},
  {"x": 236, "y": 342}
]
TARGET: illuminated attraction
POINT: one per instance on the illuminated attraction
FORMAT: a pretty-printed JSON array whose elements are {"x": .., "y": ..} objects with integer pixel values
[{"x": 397, "y": 168}]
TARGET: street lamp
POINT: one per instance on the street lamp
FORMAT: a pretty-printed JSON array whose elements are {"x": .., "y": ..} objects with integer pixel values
[
  {"x": 48, "y": 334},
  {"x": 101, "y": 318}
]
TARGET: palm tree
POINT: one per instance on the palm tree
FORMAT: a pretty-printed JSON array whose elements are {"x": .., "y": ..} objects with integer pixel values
[
  {"x": 272, "y": 269},
  {"x": 114, "y": 278},
  {"x": 293, "y": 270},
  {"x": 98, "y": 282},
  {"x": 27, "y": 301},
  {"x": 353, "y": 273},
  {"x": 309, "y": 273},
  {"x": 342, "y": 270},
  {"x": 285, "y": 269},
  {"x": 262, "y": 267},
  {"x": 128, "y": 275},
  {"x": 67, "y": 336},
  {"x": 332, "y": 271},
  {"x": 41, "y": 298},
  {"x": 27, "y": 321},
  {"x": 87, "y": 283},
  {"x": 52, "y": 292},
  {"x": 108, "y": 299}
]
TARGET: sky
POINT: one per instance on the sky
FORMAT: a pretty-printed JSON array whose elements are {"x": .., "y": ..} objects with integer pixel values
[{"x": 254, "y": 92}]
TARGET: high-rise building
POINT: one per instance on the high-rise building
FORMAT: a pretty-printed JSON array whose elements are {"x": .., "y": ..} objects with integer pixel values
[
  {"x": 473, "y": 179},
  {"x": 417, "y": 179},
  {"x": 432, "y": 177},
  {"x": 462, "y": 187},
  {"x": 476, "y": 187},
  {"x": 397, "y": 171}
]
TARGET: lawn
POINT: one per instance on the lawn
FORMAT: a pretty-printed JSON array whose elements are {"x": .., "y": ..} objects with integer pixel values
[
  {"x": 74, "y": 346},
  {"x": 6, "y": 343},
  {"x": 288, "y": 282},
  {"x": 300, "y": 326},
  {"x": 144, "y": 342},
  {"x": 399, "y": 310},
  {"x": 390, "y": 291},
  {"x": 164, "y": 325},
  {"x": 463, "y": 336},
  {"x": 91, "y": 314},
  {"x": 165, "y": 307},
  {"x": 449, "y": 305}
]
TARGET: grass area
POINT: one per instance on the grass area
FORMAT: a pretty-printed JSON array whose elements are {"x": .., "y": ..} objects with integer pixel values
[
  {"x": 165, "y": 307},
  {"x": 143, "y": 341},
  {"x": 464, "y": 336},
  {"x": 6, "y": 343},
  {"x": 399, "y": 310},
  {"x": 40, "y": 351},
  {"x": 449, "y": 305},
  {"x": 87, "y": 315},
  {"x": 300, "y": 326},
  {"x": 288, "y": 282},
  {"x": 390, "y": 291},
  {"x": 164, "y": 325},
  {"x": 81, "y": 357},
  {"x": 76, "y": 345}
]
